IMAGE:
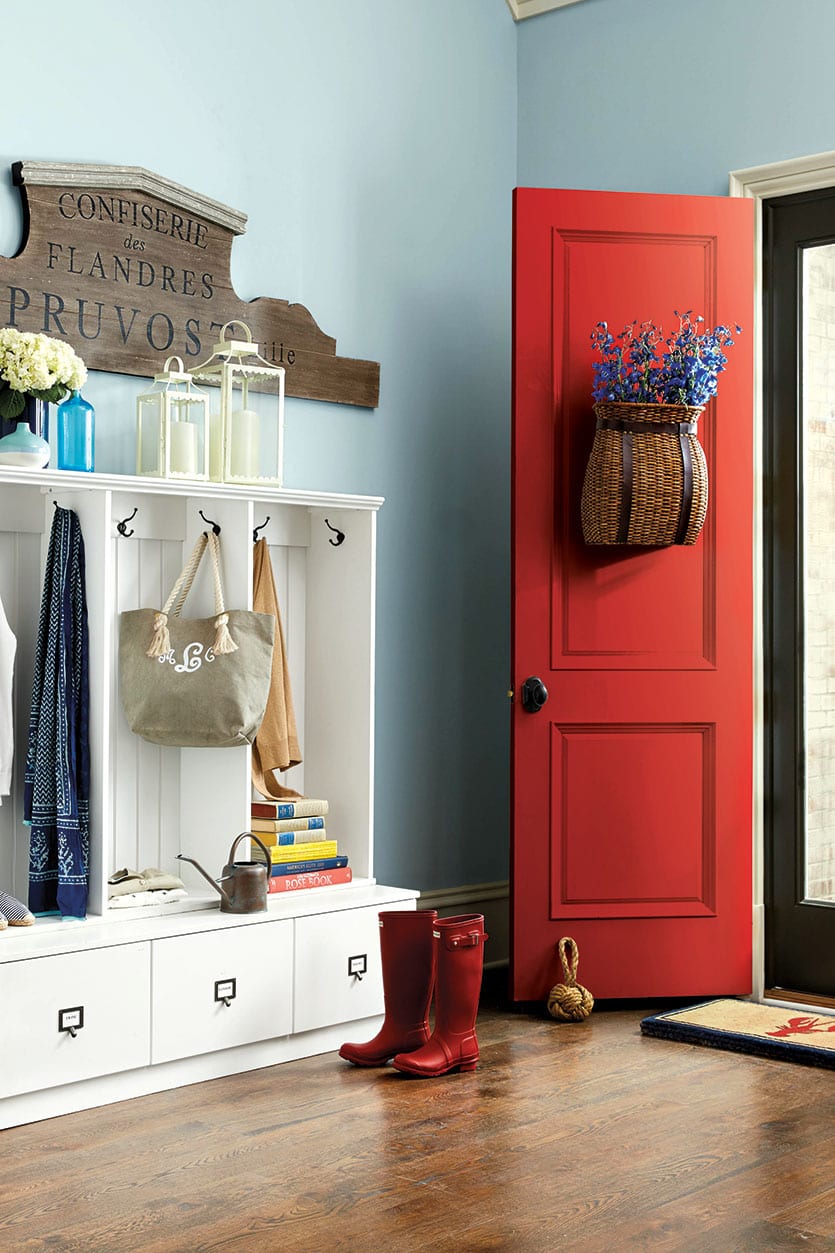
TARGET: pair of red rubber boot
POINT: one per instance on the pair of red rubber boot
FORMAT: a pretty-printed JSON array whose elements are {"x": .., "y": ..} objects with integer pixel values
[{"x": 421, "y": 952}]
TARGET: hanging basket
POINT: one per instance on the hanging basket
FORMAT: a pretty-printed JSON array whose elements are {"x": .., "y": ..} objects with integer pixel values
[{"x": 646, "y": 479}]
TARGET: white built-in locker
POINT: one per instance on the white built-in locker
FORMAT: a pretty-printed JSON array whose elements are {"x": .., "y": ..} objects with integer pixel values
[{"x": 149, "y": 803}]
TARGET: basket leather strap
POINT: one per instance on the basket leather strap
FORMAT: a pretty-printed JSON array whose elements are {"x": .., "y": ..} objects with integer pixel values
[
  {"x": 686, "y": 506},
  {"x": 647, "y": 428},
  {"x": 626, "y": 483}
]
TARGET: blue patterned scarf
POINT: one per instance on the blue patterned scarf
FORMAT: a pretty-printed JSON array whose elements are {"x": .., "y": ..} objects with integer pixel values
[{"x": 56, "y": 788}]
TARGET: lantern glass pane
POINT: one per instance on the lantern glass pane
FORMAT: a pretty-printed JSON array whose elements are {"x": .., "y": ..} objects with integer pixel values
[
  {"x": 253, "y": 432},
  {"x": 187, "y": 434},
  {"x": 150, "y": 448}
]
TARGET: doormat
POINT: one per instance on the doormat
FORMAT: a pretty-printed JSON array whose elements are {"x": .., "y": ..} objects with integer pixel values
[{"x": 745, "y": 1027}]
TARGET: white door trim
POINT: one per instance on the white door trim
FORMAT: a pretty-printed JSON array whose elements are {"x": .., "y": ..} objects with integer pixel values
[{"x": 759, "y": 183}]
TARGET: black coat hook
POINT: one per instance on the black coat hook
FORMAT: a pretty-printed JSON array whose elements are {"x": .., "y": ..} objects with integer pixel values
[
  {"x": 214, "y": 525},
  {"x": 339, "y": 534},
  {"x": 259, "y": 528},
  {"x": 121, "y": 527}
]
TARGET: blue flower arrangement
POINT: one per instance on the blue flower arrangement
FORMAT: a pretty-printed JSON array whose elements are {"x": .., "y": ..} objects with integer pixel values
[{"x": 640, "y": 367}]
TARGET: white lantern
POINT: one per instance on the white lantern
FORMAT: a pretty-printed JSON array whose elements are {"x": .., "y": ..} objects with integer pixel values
[
  {"x": 247, "y": 442},
  {"x": 172, "y": 426}
]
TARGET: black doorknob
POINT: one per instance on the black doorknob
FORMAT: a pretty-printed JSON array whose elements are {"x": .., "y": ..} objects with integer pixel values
[{"x": 534, "y": 695}]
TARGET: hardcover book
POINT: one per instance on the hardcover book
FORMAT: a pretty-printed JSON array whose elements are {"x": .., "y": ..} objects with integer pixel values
[
  {"x": 304, "y": 807},
  {"x": 297, "y": 867},
  {"x": 273, "y": 838},
  {"x": 310, "y": 879},
  {"x": 315, "y": 823},
  {"x": 315, "y": 850}
]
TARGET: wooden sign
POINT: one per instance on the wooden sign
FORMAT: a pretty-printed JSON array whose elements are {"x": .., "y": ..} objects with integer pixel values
[{"x": 131, "y": 268}]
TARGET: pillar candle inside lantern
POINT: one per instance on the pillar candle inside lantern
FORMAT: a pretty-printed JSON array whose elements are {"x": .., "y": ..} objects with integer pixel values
[
  {"x": 183, "y": 436},
  {"x": 244, "y": 451}
]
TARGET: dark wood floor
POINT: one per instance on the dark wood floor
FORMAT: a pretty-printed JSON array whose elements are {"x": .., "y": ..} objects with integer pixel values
[{"x": 585, "y": 1137}]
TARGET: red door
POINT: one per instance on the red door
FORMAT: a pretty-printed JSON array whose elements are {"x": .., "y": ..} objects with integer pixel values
[{"x": 632, "y": 785}]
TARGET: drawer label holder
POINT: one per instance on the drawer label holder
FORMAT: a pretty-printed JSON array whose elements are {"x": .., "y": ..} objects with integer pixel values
[
  {"x": 71, "y": 1020},
  {"x": 358, "y": 965},
  {"x": 226, "y": 990}
]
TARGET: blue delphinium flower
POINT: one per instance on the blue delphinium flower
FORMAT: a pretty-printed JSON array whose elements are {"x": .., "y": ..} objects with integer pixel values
[{"x": 639, "y": 366}]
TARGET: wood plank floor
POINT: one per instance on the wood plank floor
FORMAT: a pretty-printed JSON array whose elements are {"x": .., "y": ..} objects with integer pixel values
[{"x": 586, "y": 1137}]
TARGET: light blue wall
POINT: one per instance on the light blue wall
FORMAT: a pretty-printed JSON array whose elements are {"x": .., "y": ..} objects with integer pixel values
[
  {"x": 669, "y": 96},
  {"x": 373, "y": 147}
]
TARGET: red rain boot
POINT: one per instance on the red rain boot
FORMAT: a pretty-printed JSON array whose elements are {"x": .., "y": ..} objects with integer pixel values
[
  {"x": 408, "y": 961},
  {"x": 459, "y": 948}
]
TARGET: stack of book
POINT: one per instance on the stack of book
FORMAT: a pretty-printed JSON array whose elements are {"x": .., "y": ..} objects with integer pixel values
[{"x": 302, "y": 854}]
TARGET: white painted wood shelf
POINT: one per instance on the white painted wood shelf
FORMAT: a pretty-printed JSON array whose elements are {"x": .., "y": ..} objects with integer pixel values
[{"x": 150, "y": 803}]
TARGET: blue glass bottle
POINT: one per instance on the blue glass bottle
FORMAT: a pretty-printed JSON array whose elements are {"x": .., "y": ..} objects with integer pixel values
[{"x": 76, "y": 432}]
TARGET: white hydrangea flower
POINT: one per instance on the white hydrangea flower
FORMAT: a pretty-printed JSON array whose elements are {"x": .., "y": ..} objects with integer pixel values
[{"x": 31, "y": 362}]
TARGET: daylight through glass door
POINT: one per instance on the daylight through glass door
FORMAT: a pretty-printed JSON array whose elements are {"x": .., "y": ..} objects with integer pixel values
[{"x": 818, "y": 546}]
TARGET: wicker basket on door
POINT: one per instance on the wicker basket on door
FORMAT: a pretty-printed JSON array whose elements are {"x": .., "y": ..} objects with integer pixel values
[{"x": 646, "y": 479}]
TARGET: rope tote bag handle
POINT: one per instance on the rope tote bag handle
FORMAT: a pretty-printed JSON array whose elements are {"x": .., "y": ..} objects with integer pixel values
[{"x": 161, "y": 642}]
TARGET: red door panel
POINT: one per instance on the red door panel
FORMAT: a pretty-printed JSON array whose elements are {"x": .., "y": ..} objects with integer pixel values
[{"x": 632, "y": 786}]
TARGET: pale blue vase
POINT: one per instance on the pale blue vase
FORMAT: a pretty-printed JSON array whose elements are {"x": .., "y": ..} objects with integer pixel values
[
  {"x": 35, "y": 413},
  {"x": 24, "y": 448}
]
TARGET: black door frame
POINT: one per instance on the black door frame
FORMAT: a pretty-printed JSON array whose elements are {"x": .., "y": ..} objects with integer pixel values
[{"x": 799, "y": 934}]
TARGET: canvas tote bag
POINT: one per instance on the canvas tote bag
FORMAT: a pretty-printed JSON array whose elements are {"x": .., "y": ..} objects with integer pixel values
[{"x": 195, "y": 682}]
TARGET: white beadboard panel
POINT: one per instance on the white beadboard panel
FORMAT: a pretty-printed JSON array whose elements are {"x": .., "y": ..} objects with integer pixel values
[
  {"x": 215, "y": 782},
  {"x": 123, "y": 845},
  {"x": 20, "y": 592},
  {"x": 339, "y": 714},
  {"x": 149, "y": 825},
  {"x": 290, "y": 573},
  {"x": 150, "y": 758},
  {"x": 169, "y": 839},
  {"x": 21, "y": 583},
  {"x": 145, "y": 819}
]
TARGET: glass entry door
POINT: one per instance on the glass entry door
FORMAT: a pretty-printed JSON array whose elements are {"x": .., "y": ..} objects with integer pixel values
[
  {"x": 818, "y": 543},
  {"x": 799, "y": 539}
]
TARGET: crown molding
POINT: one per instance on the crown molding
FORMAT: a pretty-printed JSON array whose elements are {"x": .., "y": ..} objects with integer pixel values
[
  {"x": 127, "y": 178},
  {"x": 530, "y": 8},
  {"x": 784, "y": 178}
]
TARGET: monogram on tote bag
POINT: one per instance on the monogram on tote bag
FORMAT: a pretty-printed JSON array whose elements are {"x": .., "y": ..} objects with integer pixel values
[{"x": 195, "y": 682}]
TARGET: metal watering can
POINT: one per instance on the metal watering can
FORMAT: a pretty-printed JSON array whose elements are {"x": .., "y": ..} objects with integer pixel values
[{"x": 247, "y": 881}]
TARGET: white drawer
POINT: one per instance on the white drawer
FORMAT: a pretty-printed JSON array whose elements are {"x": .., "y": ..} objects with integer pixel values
[
  {"x": 252, "y": 965},
  {"x": 329, "y": 947},
  {"x": 110, "y": 991}
]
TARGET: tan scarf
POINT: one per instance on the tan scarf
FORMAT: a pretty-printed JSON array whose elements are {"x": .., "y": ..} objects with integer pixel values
[{"x": 276, "y": 746}]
